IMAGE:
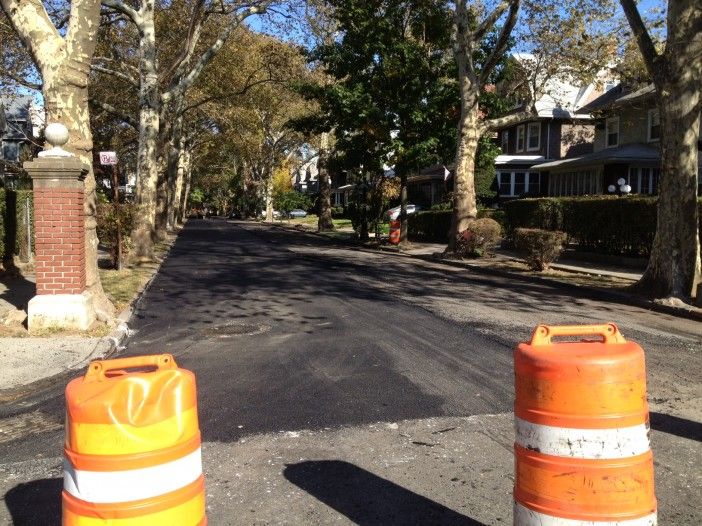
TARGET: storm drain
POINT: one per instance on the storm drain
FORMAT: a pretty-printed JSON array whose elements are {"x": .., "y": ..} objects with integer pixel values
[{"x": 234, "y": 329}]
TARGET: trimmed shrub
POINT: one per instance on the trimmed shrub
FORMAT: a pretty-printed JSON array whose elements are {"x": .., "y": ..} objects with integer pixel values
[
  {"x": 545, "y": 213},
  {"x": 540, "y": 247},
  {"x": 480, "y": 236},
  {"x": 604, "y": 224},
  {"x": 337, "y": 212},
  {"x": 434, "y": 225}
]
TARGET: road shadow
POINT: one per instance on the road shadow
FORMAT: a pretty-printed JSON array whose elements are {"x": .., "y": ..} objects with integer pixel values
[
  {"x": 674, "y": 425},
  {"x": 36, "y": 502},
  {"x": 367, "y": 499}
]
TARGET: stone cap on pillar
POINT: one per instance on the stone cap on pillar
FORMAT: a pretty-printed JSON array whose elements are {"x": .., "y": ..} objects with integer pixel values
[{"x": 55, "y": 167}]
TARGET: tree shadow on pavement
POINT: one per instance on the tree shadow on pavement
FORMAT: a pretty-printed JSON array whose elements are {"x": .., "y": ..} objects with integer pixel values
[
  {"x": 36, "y": 502},
  {"x": 367, "y": 499},
  {"x": 674, "y": 425}
]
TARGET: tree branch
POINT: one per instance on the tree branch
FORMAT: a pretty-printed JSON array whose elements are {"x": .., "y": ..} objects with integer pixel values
[
  {"x": 122, "y": 63},
  {"x": 190, "y": 40},
  {"x": 127, "y": 118},
  {"x": 32, "y": 24},
  {"x": 492, "y": 19},
  {"x": 22, "y": 81},
  {"x": 107, "y": 71},
  {"x": 183, "y": 83},
  {"x": 508, "y": 120},
  {"x": 81, "y": 36},
  {"x": 643, "y": 38},
  {"x": 502, "y": 41},
  {"x": 123, "y": 8}
]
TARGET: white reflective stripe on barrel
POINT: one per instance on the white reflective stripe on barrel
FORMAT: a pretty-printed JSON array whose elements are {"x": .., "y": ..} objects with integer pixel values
[
  {"x": 523, "y": 516},
  {"x": 621, "y": 442},
  {"x": 103, "y": 487}
]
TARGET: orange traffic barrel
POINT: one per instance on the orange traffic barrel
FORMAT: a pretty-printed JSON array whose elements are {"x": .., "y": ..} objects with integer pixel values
[
  {"x": 582, "y": 453},
  {"x": 132, "y": 449},
  {"x": 395, "y": 227}
]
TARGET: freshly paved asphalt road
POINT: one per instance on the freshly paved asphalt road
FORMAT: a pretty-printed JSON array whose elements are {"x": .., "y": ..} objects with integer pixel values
[{"x": 288, "y": 332}]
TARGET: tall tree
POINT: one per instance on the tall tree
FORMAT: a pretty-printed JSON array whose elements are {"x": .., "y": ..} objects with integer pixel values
[
  {"x": 674, "y": 266},
  {"x": 566, "y": 40},
  {"x": 162, "y": 92},
  {"x": 394, "y": 91},
  {"x": 63, "y": 62}
]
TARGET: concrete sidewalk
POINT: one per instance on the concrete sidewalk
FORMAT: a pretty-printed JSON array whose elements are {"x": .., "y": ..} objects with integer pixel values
[{"x": 28, "y": 359}]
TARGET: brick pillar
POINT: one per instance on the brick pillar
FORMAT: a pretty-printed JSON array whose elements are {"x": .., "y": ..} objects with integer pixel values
[{"x": 59, "y": 229}]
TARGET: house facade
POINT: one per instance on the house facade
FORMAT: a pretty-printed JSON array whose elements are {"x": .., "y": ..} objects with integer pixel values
[
  {"x": 625, "y": 147},
  {"x": 557, "y": 131},
  {"x": 17, "y": 132}
]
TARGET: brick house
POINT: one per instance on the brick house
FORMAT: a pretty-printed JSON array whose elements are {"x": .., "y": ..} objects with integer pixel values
[
  {"x": 558, "y": 131},
  {"x": 625, "y": 146}
]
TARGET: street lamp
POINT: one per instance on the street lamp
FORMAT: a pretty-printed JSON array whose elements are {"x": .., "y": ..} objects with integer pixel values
[{"x": 624, "y": 188}]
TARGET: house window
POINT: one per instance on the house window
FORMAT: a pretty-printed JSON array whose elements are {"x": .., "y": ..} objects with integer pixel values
[
  {"x": 520, "y": 138},
  {"x": 505, "y": 141},
  {"x": 534, "y": 136},
  {"x": 654, "y": 125},
  {"x": 573, "y": 183},
  {"x": 643, "y": 180},
  {"x": 514, "y": 184},
  {"x": 612, "y": 132}
]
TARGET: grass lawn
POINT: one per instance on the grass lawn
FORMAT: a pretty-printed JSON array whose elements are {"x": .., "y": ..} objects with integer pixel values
[
  {"x": 122, "y": 286},
  {"x": 311, "y": 220}
]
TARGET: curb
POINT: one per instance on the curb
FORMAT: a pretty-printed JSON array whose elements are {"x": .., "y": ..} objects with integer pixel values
[
  {"x": 691, "y": 313},
  {"x": 19, "y": 398}
]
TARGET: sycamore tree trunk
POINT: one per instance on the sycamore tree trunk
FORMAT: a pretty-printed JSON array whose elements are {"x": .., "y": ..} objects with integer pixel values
[
  {"x": 324, "y": 223},
  {"x": 465, "y": 207},
  {"x": 470, "y": 30},
  {"x": 175, "y": 159},
  {"x": 166, "y": 148},
  {"x": 187, "y": 180},
  {"x": 183, "y": 165},
  {"x": 674, "y": 265},
  {"x": 64, "y": 65},
  {"x": 269, "y": 195},
  {"x": 149, "y": 121}
]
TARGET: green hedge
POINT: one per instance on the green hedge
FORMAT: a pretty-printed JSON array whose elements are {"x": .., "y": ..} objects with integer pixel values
[
  {"x": 3, "y": 221},
  {"x": 434, "y": 225},
  {"x": 604, "y": 224}
]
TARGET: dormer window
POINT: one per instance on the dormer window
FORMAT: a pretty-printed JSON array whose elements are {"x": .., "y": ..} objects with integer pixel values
[
  {"x": 612, "y": 132},
  {"x": 520, "y": 138},
  {"x": 654, "y": 125},
  {"x": 533, "y": 136},
  {"x": 505, "y": 141}
]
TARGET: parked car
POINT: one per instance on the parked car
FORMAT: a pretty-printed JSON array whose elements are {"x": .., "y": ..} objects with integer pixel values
[
  {"x": 276, "y": 214},
  {"x": 298, "y": 212},
  {"x": 394, "y": 213}
]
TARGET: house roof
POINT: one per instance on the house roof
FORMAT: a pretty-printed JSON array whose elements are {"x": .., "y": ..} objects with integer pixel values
[
  {"x": 506, "y": 160},
  {"x": 618, "y": 96},
  {"x": 623, "y": 154},
  {"x": 561, "y": 98}
]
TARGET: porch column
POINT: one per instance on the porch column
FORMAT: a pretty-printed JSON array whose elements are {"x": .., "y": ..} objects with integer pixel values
[{"x": 61, "y": 299}]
